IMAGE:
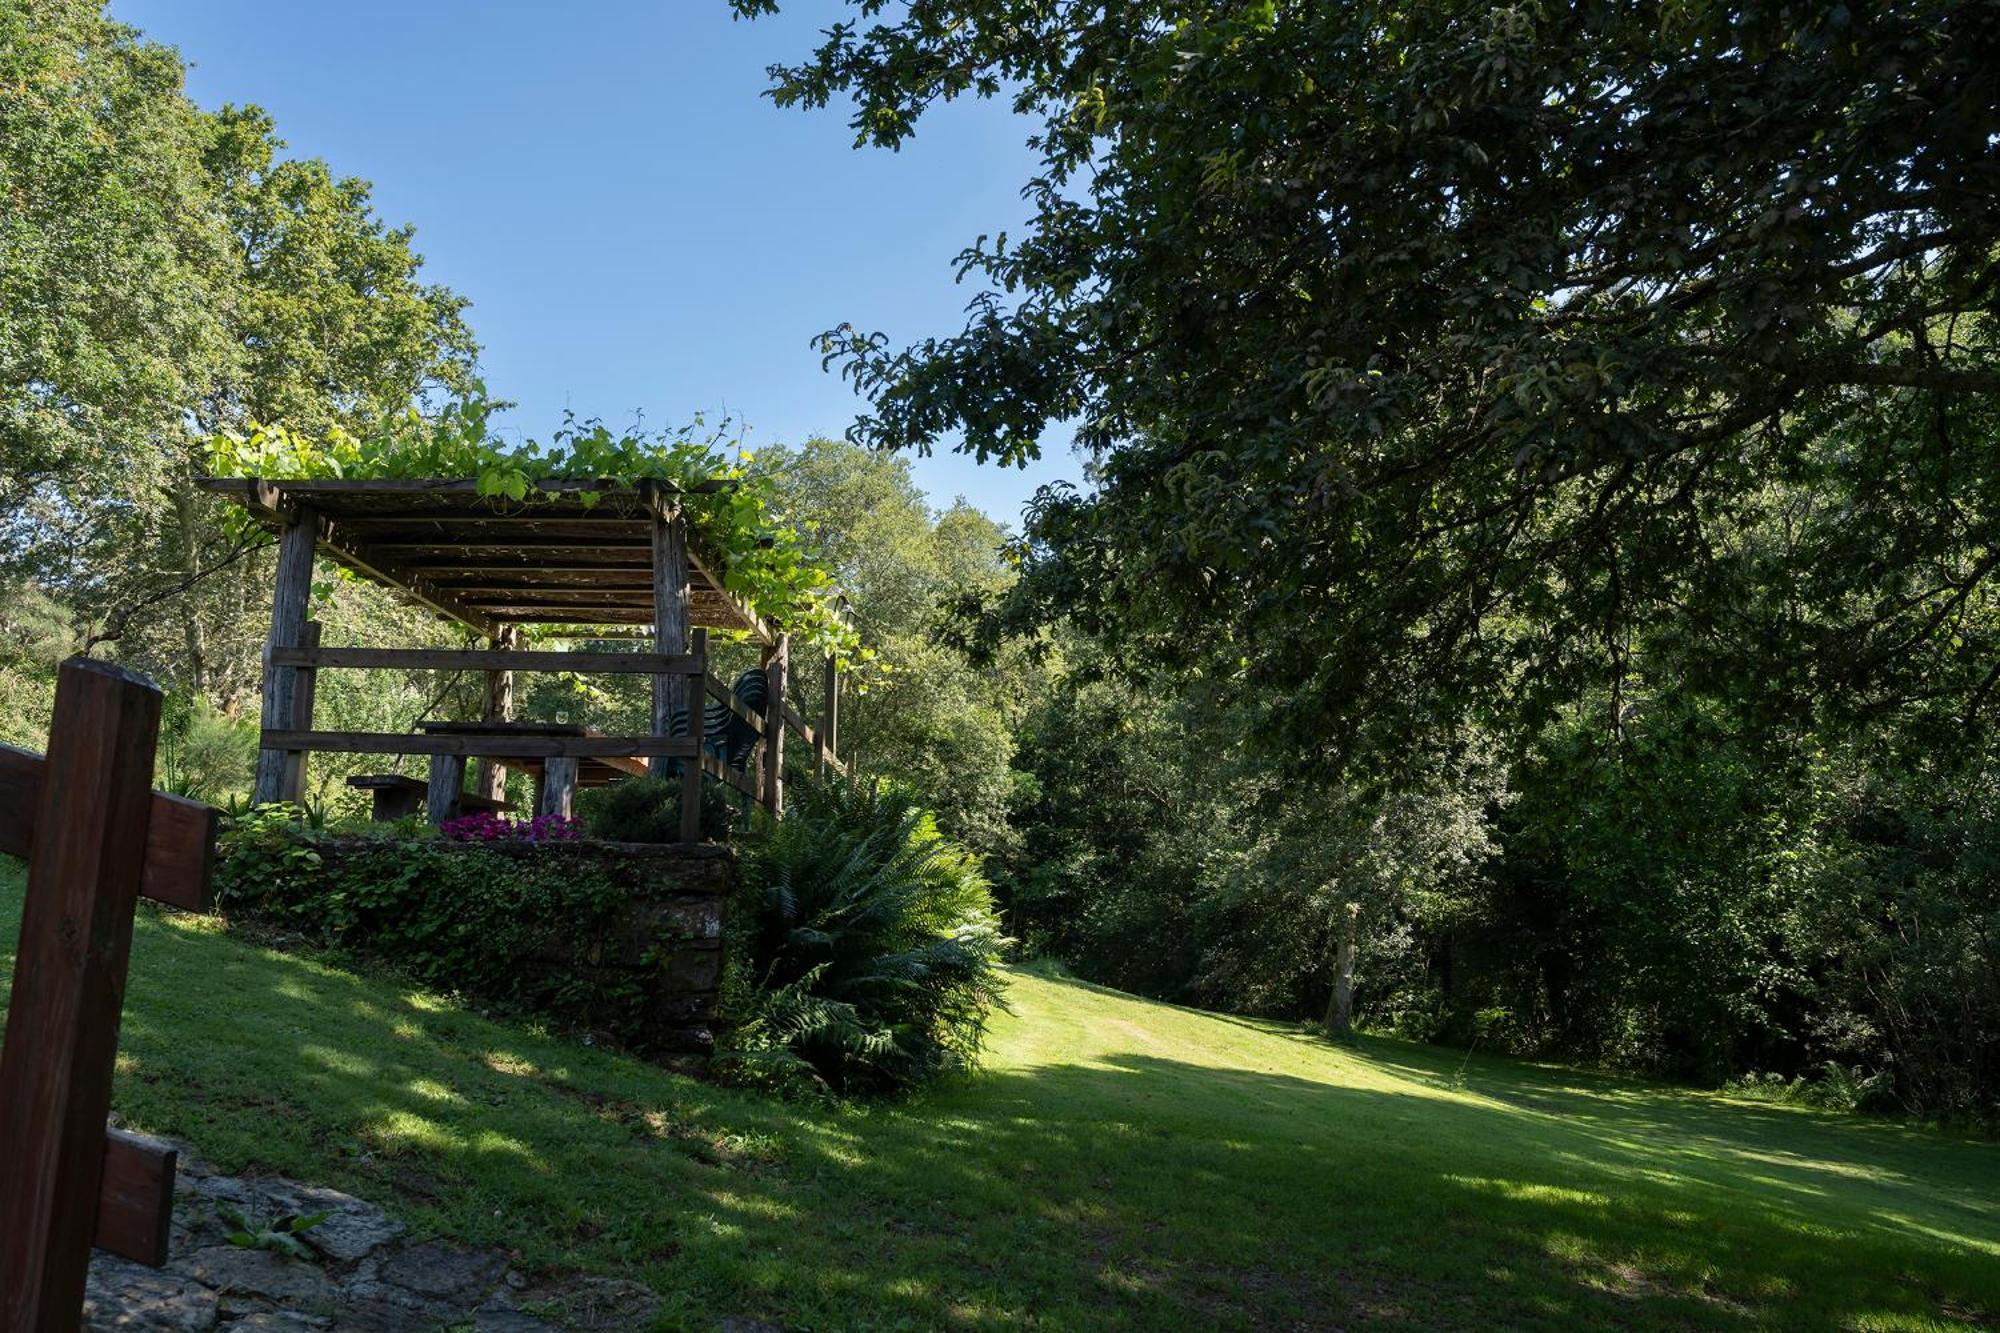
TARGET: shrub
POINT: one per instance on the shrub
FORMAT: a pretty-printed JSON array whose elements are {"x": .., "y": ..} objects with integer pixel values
[
  {"x": 514, "y": 924},
  {"x": 649, "y": 810},
  {"x": 865, "y": 946},
  {"x": 485, "y": 826}
]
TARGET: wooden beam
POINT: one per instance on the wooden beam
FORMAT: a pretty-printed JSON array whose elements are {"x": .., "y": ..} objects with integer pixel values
[
  {"x": 135, "y": 1201},
  {"x": 489, "y": 659},
  {"x": 734, "y": 777},
  {"x": 88, "y": 854},
  {"x": 499, "y": 744},
  {"x": 180, "y": 834},
  {"x": 449, "y": 486},
  {"x": 827, "y": 742},
  {"x": 291, "y": 593}
]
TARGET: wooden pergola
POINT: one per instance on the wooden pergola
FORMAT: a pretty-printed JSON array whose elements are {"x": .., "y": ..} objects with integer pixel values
[{"x": 622, "y": 561}]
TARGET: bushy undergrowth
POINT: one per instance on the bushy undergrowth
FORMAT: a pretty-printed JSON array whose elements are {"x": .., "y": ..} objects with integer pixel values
[
  {"x": 865, "y": 946},
  {"x": 649, "y": 810},
  {"x": 512, "y": 928}
]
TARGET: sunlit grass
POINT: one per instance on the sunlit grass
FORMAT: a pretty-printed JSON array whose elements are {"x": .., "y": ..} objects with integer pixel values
[{"x": 1121, "y": 1164}]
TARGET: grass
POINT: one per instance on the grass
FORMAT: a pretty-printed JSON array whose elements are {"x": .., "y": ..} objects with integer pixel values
[{"x": 1121, "y": 1164}]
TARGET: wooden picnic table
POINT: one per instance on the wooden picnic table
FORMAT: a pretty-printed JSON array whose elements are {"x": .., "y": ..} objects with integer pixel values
[{"x": 556, "y": 777}]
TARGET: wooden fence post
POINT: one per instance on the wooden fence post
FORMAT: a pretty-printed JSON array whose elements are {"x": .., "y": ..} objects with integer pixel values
[
  {"x": 828, "y": 736},
  {"x": 774, "y": 729},
  {"x": 670, "y": 617},
  {"x": 289, "y": 601},
  {"x": 697, "y": 722},
  {"x": 88, "y": 854},
  {"x": 558, "y": 794},
  {"x": 447, "y": 784}
]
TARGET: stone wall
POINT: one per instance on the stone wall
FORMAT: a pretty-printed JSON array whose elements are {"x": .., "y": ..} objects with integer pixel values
[{"x": 667, "y": 942}]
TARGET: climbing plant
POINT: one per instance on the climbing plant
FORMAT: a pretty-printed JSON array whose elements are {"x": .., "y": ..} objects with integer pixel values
[{"x": 738, "y": 525}]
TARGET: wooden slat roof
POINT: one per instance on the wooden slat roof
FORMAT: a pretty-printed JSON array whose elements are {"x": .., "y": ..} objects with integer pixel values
[{"x": 487, "y": 562}]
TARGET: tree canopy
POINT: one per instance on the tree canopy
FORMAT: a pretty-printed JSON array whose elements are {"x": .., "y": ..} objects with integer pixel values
[{"x": 1440, "y": 358}]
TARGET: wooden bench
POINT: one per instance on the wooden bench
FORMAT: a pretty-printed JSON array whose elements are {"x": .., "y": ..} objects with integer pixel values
[{"x": 399, "y": 797}]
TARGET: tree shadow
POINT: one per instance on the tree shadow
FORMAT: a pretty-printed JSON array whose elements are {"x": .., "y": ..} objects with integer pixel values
[{"x": 1130, "y": 1189}]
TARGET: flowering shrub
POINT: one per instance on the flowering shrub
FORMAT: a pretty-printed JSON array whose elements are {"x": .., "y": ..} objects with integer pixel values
[{"x": 485, "y": 826}]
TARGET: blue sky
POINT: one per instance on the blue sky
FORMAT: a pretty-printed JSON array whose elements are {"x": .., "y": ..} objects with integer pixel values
[{"x": 637, "y": 228}]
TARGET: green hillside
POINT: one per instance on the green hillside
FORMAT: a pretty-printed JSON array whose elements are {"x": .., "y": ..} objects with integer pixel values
[{"x": 1122, "y": 1164}]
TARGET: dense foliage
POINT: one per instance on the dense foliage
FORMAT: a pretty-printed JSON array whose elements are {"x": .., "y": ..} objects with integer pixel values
[
  {"x": 731, "y": 507},
  {"x": 1541, "y": 496},
  {"x": 520, "y": 927},
  {"x": 866, "y": 949}
]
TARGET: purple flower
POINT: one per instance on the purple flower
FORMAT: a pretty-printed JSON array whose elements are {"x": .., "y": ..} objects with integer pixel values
[{"x": 485, "y": 826}]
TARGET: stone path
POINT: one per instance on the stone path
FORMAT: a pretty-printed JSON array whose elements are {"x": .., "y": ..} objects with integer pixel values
[{"x": 365, "y": 1276}]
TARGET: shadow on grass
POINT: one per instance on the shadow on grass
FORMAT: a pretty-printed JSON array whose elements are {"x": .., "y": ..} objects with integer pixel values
[{"x": 1124, "y": 1189}]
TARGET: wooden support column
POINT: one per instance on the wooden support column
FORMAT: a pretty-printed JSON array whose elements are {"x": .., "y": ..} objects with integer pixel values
[
  {"x": 305, "y": 685},
  {"x": 491, "y": 780},
  {"x": 446, "y": 786},
  {"x": 670, "y": 616},
  {"x": 691, "y": 768},
  {"x": 558, "y": 793},
  {"x": 827, "y": 739},
  {"x": 774, "y": 729},
  {"x": 88, "y": 854},
  {"x": 290, "y": 597}
]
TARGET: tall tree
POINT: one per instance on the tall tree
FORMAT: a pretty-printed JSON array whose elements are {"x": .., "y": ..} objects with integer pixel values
[{"x": 1434, "y": 353}]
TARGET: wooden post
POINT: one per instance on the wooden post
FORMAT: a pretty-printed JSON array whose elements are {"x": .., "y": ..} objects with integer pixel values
[
  {"x": 289, "y": 600},
  {"x": 670, "y": 617},
  {"x": 446, "y": 786},
  {"x": 774, "y": 729},
  {"x": 697, "y": 722},
  {"x": 305, "y": 685},
  {"x": 88, "y": 855},
  {"x": 491, "y": 780},
  {"x": 558, "y": 786},
  {"x": 828, "y": 746}
]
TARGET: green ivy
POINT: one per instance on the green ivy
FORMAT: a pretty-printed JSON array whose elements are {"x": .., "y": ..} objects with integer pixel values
[
  {"x": 759, "y": 557},
  {"x": 512, "y": 930}
]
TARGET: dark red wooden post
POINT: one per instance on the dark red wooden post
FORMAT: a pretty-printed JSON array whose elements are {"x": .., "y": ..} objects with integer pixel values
[{"x": 88, "y": 853}]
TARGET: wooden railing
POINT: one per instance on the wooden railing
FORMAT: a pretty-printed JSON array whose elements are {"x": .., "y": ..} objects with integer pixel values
[
  {"x": 96, "y": 838},
  {"x": 761, "y": 778}
]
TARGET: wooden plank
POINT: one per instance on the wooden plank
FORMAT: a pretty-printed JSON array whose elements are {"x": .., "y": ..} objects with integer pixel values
[
  {"x": 180, "y": 834},
  {"x": 735, "y": 777},
  {"x": 135, "y": 1201},
  {"x": 823, "y": 757},
  {"x": 691, "y": 773},
  {"x": 84, "y": 865},
  {"x": 487, "y": 659},
  {"x": 499, "y": 745},
  {"x": 717, "y": 690},
  {"x": 291, "y": 593}
]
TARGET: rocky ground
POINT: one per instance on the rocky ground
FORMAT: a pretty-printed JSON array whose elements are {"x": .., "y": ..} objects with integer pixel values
[{"x": 364, "y": 1275}]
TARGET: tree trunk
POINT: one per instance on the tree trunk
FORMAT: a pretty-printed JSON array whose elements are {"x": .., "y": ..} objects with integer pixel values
[{"x": 1340, "y": 1009}]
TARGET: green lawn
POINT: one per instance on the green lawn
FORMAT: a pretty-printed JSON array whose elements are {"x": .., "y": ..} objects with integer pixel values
[{"x": 1122, "y": 1164}]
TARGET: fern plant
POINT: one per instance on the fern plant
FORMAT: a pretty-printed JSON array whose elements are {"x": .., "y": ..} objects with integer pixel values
[{"x": 867, "y": 948}]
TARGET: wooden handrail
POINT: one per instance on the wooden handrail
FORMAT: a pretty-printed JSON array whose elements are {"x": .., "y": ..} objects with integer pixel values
[
  {"x": 717, "y": 690},
  {"x": 498, "y": 743},
  {"x": 811, "y": 737},
  {"x": 494, "y": 659}
]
